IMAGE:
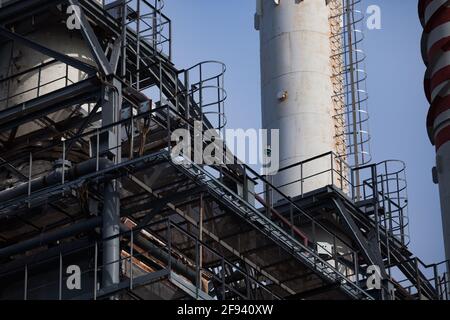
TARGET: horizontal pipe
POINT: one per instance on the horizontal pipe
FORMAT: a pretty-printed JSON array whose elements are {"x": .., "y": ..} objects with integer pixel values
[
  {"x": 47, "y": 238},
  {"x": 55, "y": 177},
  {"x": 160, "y": 254}
]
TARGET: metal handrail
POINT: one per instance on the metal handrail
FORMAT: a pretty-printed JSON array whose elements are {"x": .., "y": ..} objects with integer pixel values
[
  {"x": 221, "y": 186},
  {"x": 351, "y": 78},
  {"x": 136, "y": 255},
  {"x": 30, "y": 72}
]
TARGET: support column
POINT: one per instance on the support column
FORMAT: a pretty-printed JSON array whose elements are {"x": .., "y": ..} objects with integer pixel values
[
  {"x": 111, "y": 228},
  {"x": 111, "y": 207}
]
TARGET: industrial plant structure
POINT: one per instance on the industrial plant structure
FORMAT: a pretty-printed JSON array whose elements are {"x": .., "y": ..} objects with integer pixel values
[{"x": 93, "y": 204}]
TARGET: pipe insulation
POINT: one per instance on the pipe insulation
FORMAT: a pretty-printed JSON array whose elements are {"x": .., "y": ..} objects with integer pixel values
[{"x": 110, "y": 234}]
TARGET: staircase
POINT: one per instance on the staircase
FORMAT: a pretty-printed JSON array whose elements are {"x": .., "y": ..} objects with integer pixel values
[
  {"x": 396, "y": 252},
  {"x": 270, "y": 229}
]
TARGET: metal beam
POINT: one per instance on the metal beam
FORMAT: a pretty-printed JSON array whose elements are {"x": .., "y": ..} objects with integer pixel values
[
  {"x": 314, "y": 292},
  {"x": 110, "y": 234},
  {"x": 22, "y": 9},
  {"x": 214, "y": 237},
  {"x": 47, "y": 51},
  {"x": 92, "y": 41},
  {"x": 12, "y": 169},
  {"x": 45, "y": 238},
  {"x": 124, "y": 285},
  {"x": 84, "y": 125},
  {"x": 370, "y": 254},
  {"x": 79, "y": 92},
  {"x": 115, "y": 55}
]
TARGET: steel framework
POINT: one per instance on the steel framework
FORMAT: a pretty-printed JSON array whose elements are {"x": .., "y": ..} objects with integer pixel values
[{"x": 181, "y": 230}]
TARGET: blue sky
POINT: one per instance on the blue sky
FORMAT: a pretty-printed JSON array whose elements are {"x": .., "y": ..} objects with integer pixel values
[{"x": 223, "y": 30}]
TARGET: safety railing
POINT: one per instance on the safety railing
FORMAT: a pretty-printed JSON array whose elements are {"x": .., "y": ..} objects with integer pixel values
[
  {"x": 146, "y": 20},
  {"x": 217, "y": 271},
  {"x": 144, "y": 258},
  {"x": 436, "y": 274},
  {"x": 380, "y": 189},
  {"x": 316, "y": 172},
  {"x": 94, "y": 143},
  {"x": 203, "y": 88},
  {"x": 197, "y": 92},
  {"x": 383, "y": 189},
  {"x": 37, "y": 81},
  {"x": 319, "y": 248},
  {"x": 349, "y": 80}
]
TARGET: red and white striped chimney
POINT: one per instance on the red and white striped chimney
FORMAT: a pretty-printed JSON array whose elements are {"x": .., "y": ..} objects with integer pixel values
[{"x": 435, "y": 18}]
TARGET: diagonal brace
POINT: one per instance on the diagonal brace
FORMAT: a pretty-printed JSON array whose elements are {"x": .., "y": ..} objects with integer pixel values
[
  {"x": 92, "y": 41},
  {"x": 47, "y": 51}
]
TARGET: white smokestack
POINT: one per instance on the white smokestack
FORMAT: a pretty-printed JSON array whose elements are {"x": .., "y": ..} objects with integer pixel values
[{"x": 297, "y": 87}]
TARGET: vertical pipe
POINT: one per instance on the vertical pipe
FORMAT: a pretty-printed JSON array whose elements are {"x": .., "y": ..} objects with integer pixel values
[
  {"x": 124, "y": 39},
  {"x": 39, "y": 82},
  {"x": 200, "y": 93},
  {"x": 30, "y": 168},
  {"x": 67, "y": 75},
  {"x": 268, "y": 199},
  {"x": 111, "y": 107},
  {"x": 197, "y": 268},
  {"x": 95, "y": 269},
  {"x": 291, "y": 217},
  {"x": 169, "y": 241},
  {"x": 170, "y": 41},
  {"x": 131, "y": 155},
  {"x": 419, "y": 284},
  {"x": 25, "y": 293},
  {"x": 436, "y": 280},
  {"x": 63, "y": 168},
  {"x": 131, "y": 257},
  {"x": 186, "y": 106},
  {"x": 201, "y": 229},
  {"x": 356, "y": 266},
  {"x": 353, "y": 90},
  {"x": 111, "y": 231},
  {"x": 376, "y": 203},
  {"x": 138, "y": 49},
  {"x": 60, "y": 276},
  {"x": 177, "y": 106},
  {"x": 223, "y": 279}
]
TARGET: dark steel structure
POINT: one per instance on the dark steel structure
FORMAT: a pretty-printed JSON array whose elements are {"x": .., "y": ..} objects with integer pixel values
[{"x": 116, "y": 217}]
